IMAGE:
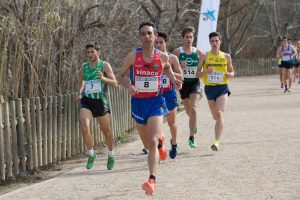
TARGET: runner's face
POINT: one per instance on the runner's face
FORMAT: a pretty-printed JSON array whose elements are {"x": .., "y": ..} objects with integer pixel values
[
  {"x": 285, "y": 42},
  {"x": 147, "y": 36},
  {"x": 160, "y": 44},
  {"x": 215, "y": 42},
  {"x": 91, "y": 54},
  {"x": 188, "y": 39}
]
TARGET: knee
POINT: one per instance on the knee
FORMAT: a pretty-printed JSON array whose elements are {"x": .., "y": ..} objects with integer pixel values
[
  {"x": 106, "y": 132},
  {"x": 218, "y": 115},
  {"x": 85, "y": 129},
  {"x": 193, "y": 110},
  {"x": 152, "y": 143},
  {"x": 172, "y": 125}
]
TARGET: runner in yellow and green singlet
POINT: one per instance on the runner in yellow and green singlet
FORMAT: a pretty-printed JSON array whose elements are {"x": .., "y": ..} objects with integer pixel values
[{"x": 216, "y": 68}]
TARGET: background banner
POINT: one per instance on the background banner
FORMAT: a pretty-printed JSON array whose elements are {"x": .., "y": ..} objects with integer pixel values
[{"x": 208, "y": 20}]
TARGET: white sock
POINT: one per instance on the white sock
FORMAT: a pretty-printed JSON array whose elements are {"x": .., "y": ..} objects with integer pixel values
[
  {"x": 91, "y": 152},
  {"x": 110, "y": 153}
]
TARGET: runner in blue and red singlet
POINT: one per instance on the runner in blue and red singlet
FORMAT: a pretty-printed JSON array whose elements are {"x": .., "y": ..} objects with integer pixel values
[
  {"x": 169, "y": 91},
  {"x": 146, "y": 66}
]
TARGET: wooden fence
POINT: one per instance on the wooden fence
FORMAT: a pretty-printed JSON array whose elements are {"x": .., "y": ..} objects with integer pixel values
[
  {"x": 40, "y": 131},
  {"x": 254, "y": 67}
]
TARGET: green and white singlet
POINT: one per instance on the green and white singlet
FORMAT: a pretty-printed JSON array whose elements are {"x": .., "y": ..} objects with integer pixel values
[
  {"x": 192, "y": 61},
  {"x": 93, "y": 85}
]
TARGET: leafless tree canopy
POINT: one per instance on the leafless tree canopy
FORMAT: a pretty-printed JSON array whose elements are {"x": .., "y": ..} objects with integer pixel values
[{"x": 42, "y": 41}]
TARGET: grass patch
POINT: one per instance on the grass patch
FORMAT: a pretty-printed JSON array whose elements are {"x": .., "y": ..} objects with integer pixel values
[{"x": 123, "y": 138}]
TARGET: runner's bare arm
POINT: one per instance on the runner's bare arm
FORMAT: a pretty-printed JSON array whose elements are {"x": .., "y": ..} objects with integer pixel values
[
  {"x": 294, "y": 51},
  {"x": 81, "y": 84},
  {"x": 128, "y": 62},
  {"x": 200, "y": 71},
  {"x": 110, "y": 78},
  {"x": 168, "y": 71},
  {"x": 199, "y": 53},
  {"x": 175, "y": 63},
  {"x": 230, "y": 71},
  {"x": 201, "y": 56},
  {"x": 278, "y": 52},
  {"x": 176, "y": 52}
]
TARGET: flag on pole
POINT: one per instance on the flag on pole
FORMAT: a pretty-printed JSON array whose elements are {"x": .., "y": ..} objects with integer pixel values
[{"x": 208, "y": 20}]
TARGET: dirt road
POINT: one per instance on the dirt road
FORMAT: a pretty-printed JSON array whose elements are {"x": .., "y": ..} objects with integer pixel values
[{"x": 258, "y": 157}]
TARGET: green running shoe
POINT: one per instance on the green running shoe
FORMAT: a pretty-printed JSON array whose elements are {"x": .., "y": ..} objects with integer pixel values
[
  {"x": 90, "y": 161},
  {"x": 192, "y": 143},
  {"x": 110, "y": 162},
  {"x": 215, "y": 146},
  {"x": 196, "y": 130}
]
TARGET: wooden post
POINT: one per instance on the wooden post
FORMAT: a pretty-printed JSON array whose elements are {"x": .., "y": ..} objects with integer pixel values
[
  {"x": 49, "y": 129},
  {"x": 115, "y": 97},
  {"x": 44, "y": 131},
  {"x": 7, "y": 139},
  {"x": 2, "y": 148},
  {"x": 28, "y": 134},
  {"x": 73, "y": 124},
  {"x": 39, "y": 131},
  {"x": 129, "y": 118},
  {"x": 54, "y": 129},
  {"x": 13, "y": 121},
  {"x": 109, "y": 96},
  {"x": 59, "y": 126},
  {"x": 69, "y": 142},
  {"x": 114, "y": 111},
  {"x": 81, "y": 143},
  {"x": 123, "y": 110},
  {"x": 33, "y": 133},
  {"x": 77, "y": 144},
  {"x": 64, "y": 131},
  {"x": 20, "y": 135}
]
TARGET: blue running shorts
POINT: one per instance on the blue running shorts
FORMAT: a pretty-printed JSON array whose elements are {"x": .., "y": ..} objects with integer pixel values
[{"x": 143, "y": 108}]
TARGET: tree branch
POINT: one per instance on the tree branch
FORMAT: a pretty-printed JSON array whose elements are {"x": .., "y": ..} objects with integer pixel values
[
  {"x": 247, "y": 40},
  {"x": 175, "y": 20},
  {"x": 146, "y": 9},
  {"x": 160, "y": 10},
  {"x": 82, "y": 19},
  {"x": 247, "y": 27}
]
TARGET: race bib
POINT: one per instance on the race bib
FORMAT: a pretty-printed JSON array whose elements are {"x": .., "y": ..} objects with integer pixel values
[
  {"x": 286, "y": 57},
  {"x": 216, "y": 77},
  {"x": 92, "y": 86},
  {"x": 190, "y": 72},
  {"x": 165, "y": 81},
  {"x": 146, "y": 84}
]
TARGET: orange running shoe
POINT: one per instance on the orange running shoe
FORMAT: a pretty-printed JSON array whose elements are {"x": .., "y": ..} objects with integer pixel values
[
  {"x": 149, "y": 187},
  {"x": 163, "y": 154}
]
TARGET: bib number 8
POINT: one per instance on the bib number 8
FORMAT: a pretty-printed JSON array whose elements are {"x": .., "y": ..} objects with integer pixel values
[{"x": 146, "y": 84}]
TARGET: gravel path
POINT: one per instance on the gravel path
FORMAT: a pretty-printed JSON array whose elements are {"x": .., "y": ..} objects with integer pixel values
[{"x": 258, "y": 159}]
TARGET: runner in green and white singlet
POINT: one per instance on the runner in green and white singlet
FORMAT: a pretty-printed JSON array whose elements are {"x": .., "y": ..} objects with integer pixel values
[
  {"x": 93, "y": 102},
  {"x": 93, "y": 85},
  {"x": 190, "y": 93}
]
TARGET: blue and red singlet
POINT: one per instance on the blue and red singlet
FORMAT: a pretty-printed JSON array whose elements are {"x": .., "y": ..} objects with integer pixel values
[{"x": 147, "y": 77}]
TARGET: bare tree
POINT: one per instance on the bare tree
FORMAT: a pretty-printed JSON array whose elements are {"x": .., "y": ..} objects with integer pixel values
[
  {"x": 41, "y": 48},
  {"x": 236, "y": 22}
]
